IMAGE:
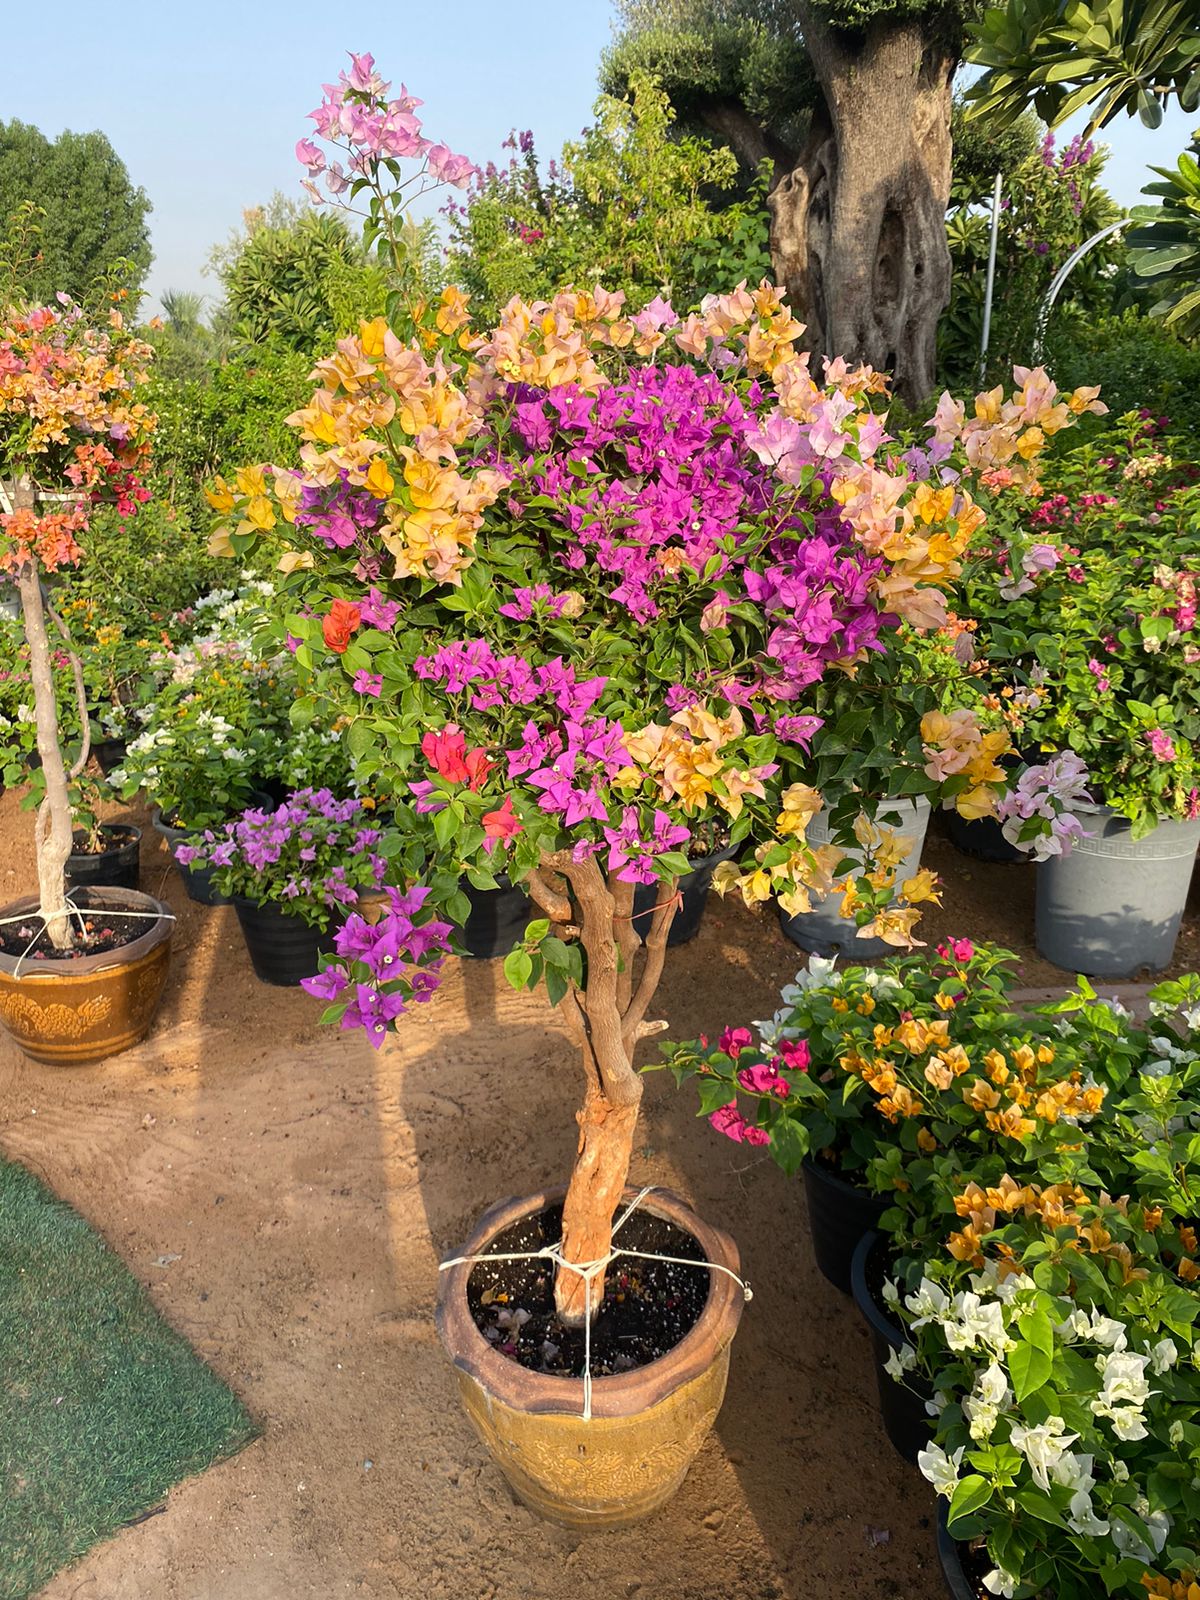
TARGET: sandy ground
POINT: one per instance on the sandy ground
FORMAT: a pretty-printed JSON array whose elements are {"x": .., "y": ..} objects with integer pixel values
[{"x": 300, "y": 1190}]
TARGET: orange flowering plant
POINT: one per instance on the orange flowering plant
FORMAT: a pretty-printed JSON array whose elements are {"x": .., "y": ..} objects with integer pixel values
[
  {"x": 900, "y": 1074},
  {"x": 73, "y": 433}
]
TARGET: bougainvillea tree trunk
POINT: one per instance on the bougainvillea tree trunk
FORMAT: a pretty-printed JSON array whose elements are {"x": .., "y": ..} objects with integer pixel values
[
  {"x": 858, "y": 227},
  {"x": 606, "y": 1017},
  {"x": 53, "y": 831}
]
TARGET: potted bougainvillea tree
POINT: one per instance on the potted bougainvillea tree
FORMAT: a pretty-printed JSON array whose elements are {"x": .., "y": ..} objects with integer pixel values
[
  {"x": 80, "y": 974},
  {"x": 571, "y": 584}
]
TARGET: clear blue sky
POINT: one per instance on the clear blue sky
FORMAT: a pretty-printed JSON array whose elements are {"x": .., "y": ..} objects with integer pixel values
[{"x": 205, "y": 102}]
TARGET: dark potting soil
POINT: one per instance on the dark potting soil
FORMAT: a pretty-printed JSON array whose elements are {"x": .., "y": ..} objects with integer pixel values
[
  {"x": 648, "y": 1306},
  {"x": 976, "y": 1564},
  {"x": 98, "y": 932}
]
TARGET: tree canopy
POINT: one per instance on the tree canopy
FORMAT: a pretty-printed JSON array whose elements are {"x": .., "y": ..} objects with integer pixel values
[
  {"x": 92, "y": 215},
  {"x": 632, "y": 204},
  {"x": 294, "y": 278}
]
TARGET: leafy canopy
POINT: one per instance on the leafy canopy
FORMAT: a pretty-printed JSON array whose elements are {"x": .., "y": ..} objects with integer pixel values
[
  {"x": 92, "y": 216},
  {"x": 633, "y": 204},
  {"x": 1165, "y": 246}
]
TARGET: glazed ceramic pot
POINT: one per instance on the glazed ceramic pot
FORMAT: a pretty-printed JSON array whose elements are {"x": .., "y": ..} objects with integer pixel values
[
  {"x": 67, "y": 1012},
  {"x": 646, "y": 1427}
]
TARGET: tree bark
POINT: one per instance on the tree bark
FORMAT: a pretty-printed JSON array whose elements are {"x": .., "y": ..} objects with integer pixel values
[
  {"x": 606, "y": 1018},
  {"x": 858, "y": 227},
  {"x": 53, "y": 830}
]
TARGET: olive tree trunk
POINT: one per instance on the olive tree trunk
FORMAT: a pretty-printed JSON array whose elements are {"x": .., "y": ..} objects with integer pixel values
[
  {"x": 606, "y": 1018},
  {"x": 858, "y": 226}
]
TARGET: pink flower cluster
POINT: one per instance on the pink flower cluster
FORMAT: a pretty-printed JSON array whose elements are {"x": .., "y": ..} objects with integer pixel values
[{"x": 357, "y": 115}]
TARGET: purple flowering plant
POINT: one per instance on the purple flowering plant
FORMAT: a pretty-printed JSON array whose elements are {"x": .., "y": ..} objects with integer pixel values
[
  {"x": 580, "y": 584},
  {"x": 314, "y": 855}
]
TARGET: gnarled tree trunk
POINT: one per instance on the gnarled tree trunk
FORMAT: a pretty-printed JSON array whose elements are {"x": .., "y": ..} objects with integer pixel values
[
  {"x": 606, "y": 1019},
  {"x": 53, "y": 831},
  {"x": 858, "y": 227}
]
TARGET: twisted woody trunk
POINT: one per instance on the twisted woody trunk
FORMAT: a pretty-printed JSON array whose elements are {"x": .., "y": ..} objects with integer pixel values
[
  {"x": 606, "y": 1018},
  {"x": 53, "y": 831}
]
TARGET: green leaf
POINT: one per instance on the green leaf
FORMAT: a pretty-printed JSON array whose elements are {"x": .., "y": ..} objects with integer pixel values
[
  {"x": 537, "y": 930},
  {"x": 556, "y": 985},
  {"x": 1029, "y": 1368},
  {"x": 518, "y": 967},
  {"x": 971, "y": 1495},
  {"x": 1038, "y": 1330}
]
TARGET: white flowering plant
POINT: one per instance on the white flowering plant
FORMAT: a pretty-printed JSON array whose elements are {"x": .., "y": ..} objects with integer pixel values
[{"x": 1058, "y": 1336}]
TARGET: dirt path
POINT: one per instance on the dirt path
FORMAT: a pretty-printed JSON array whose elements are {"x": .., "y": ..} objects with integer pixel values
[{"x": 308, "y": 1188}]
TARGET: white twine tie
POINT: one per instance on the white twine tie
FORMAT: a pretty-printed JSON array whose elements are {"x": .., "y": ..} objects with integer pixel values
[
  {"x": 73, "y": 910},
  {"x": 589, "y": 1270}
]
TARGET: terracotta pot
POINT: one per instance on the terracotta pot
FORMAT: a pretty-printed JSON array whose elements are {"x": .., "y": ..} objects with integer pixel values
[
  {"x": 67, "y": 1012},
  {"x": 646, "y": 1426}
]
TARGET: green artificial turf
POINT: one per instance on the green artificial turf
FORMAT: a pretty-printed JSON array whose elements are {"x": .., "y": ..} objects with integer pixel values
[{"x": 102, "y": 1406}]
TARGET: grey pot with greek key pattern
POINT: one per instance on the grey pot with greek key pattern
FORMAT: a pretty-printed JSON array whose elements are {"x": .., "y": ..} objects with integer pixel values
[{"x": 1114, "y": 904}]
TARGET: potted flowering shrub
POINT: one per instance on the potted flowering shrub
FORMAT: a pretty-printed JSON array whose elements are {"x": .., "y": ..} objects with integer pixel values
[
  {"x": 1060, "y": 1343},
  {"x": 1098, "y": 629},
  {"x": 293, "y": 873},
  {"x": 80, "y": 976},
  {"x": 571, "y": 583},
  {"x": 872, "y": 1080},
  {"x": 213, "y": 720}
]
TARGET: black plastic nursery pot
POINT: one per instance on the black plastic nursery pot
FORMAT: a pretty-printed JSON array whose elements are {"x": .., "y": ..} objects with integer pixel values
[
  {"x": 109, "y": 753},
  {"x": 693, "y": 889},
  {"x": 283, "y": 948},
  {"x": 901, "y": 1406},
  {"x": 197, "y": 881},
  {"x": 839, "y": 1213},
  {"x": 950, "y": 1553},
  {"x": 983, "y": 839},
  {"x": 498, "y": 919},
  {"x": 114, "y": 867}
]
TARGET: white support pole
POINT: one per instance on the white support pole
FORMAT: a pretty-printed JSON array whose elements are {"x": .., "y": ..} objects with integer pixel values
[{"x": 990, "y": 285}]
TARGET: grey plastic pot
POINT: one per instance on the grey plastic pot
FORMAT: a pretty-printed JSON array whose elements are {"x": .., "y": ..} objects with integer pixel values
[
  {"x": 1114, "y": 904},
  {"x": 822, "y": 929}
]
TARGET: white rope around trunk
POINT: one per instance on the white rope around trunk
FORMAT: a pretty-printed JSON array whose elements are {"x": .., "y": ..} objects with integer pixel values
[
  {"x": 589, "y": 1270},
  {"x": 72, "y": 910}
]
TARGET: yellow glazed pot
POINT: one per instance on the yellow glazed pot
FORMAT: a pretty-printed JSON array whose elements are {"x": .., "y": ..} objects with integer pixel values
[
  {"x": 646, "y": 1426},
  {"x": 68, "y": 1012}
]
